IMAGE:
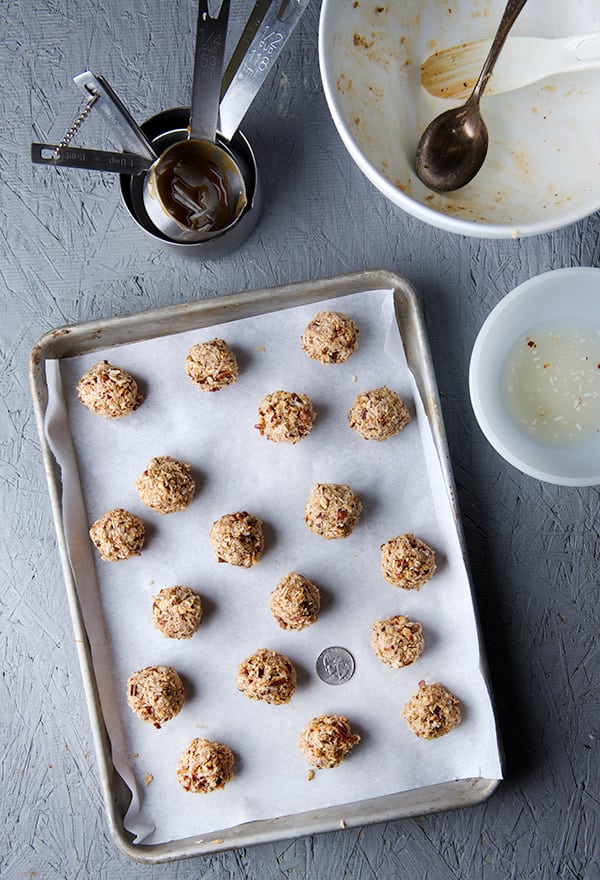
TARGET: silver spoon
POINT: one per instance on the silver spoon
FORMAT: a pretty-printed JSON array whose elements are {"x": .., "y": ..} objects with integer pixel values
[{"x": 454, "y": 145}]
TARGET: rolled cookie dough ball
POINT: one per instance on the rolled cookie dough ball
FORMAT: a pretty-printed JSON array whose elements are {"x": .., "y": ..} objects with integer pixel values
[
  {"x": 211, "y": 365},
  {"x": 177, "y": 612},
  {"x": 397, "y": 641},
  {"x": 155, "y": 694},
  {"x": 267, "y": 676},
  {"x": 332, "y": 510},
  {"x": 109, "y": 391},
  {"x": 326, "y": 740},
  {"x": 285, "y": 417},
  {"x": 118, "y": 535},
  {"x": 237, "y": 538},
  {"x": 295, "y": 602},
  {"x": 407, "y": 562},
  {"x": 167, "y": 485},
  {"x": 205, "y": 766},
  {"x": 330, "y": 337},
  {"x": 378, "y": 414},
  {"x": 432, "y": 712}
]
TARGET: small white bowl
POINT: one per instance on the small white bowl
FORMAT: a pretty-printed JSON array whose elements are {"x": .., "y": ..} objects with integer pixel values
[
  {"x": 563, "y": 298},
  {"x": 542, "y": 170}
]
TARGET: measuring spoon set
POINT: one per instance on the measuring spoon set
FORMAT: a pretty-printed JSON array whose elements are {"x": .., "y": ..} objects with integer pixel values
[{"x": 192, "y": 183}]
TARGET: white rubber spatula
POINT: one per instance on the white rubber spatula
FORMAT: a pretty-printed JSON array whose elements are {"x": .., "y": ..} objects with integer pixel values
[{"x": 451, "y": 73}]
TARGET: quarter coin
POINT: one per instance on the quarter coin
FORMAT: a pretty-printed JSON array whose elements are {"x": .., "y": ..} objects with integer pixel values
[{"x": 335, "y": 665}]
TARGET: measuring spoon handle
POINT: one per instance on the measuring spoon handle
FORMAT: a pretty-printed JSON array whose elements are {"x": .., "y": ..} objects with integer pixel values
[
  {"x": 272, "y": 35},
  {"x": 115, "y": 114},
  {"x": 91, "y": 160},
  {"x": 208, "y": 70}
]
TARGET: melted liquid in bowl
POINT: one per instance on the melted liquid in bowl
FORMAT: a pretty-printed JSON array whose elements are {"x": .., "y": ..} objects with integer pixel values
[
  {"x": 551, "y": 384},
  {"x": 198, "y": 185},
  {"x": 195, "y": 195}
]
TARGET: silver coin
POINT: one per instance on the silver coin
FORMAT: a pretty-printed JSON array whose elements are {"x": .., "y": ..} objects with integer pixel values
[{"x": 335, "y": 665}]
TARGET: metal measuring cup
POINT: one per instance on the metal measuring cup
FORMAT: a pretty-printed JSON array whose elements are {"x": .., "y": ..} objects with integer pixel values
[
  {"x": 196, "y": 190},
  {"x": 165, "y": 129}
]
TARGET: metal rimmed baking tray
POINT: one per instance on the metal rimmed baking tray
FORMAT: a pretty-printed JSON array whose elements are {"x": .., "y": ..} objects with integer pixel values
[{"x": 81, "y": 339}]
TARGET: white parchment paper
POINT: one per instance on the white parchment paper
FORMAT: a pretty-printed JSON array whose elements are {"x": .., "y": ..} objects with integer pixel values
[{"x": 401, "y": 487}]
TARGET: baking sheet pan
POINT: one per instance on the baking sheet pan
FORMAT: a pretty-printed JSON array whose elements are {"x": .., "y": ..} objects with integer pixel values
[{"x": 73, "y": 341}]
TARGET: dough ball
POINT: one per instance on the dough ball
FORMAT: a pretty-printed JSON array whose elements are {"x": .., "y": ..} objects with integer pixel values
[
  {"x": 211, "y": 365},
  {"x": 167, "y": 485},
  {"x": 237, "y": 538},
  {"x": 205, "y": 766},
  {"x": 155, "y": 694},
  {"x": 331, "y": 337},
  {"x": 109, "y": 391},
  {"x": 118, "y": 535},
  {"x": 285, "y": 417},
  {"x": 177, "y": 612},
  {"x": 332, "y": 510},
  {"x": 407, "y": 562},
  {"x": 295, "y": 602},
  {"x": 378, "y": 414},
  {"x": 397, "y": 641},
  {"x": 326, "y": 740},
  {"x": 432, "y": 712},
  {"x": 267, "y": 676}
]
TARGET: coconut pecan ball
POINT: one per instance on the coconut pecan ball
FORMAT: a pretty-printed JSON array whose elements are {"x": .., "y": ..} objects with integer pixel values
[
  {"x": 330, "y": 337},
  {"x": 109, "y": 391},
  {"x": 118, "y": 535},
  {"x": 295, "y": 602},
  {"x": 326, "y": 740},
  {"x": 237, "y": 538},
  {"x": 432, "y": 712},
  {"x": 166, "y": 485},
  {"x": 378, "y": 414},
  {"x": 211, "y": 365},
  {"x": 177, "y": 612},
  {"x": 407, "y": 562},
  {"x": 397, "y": 641},
  {"x": 205, "y": 766},
  {"x": 332, "y": 510},
  {"x": 285, "y": 417},
  {"x": 267, "y": 676},
  {"x": 155, "y": 694}
]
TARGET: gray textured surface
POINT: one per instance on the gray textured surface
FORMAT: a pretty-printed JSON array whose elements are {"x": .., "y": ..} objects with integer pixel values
[{"x": 71, "y": 253}]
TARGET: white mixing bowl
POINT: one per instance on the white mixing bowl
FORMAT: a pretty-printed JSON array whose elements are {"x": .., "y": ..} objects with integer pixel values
[{"x": 542, "y": 171}]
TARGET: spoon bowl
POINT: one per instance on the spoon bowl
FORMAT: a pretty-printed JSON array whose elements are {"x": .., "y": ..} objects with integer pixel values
[{"x": 461, "y": 137}]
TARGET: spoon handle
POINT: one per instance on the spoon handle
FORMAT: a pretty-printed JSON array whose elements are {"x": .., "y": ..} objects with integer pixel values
[
  {"x": 265, "y": 48},
  {"x": 511, "y": 11},
  {"x": 92, "y": 160},
  {"x": 255, "y": 20},
  {"x": 208, "y": 70},
  {"x": 117, "y": 116}
]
